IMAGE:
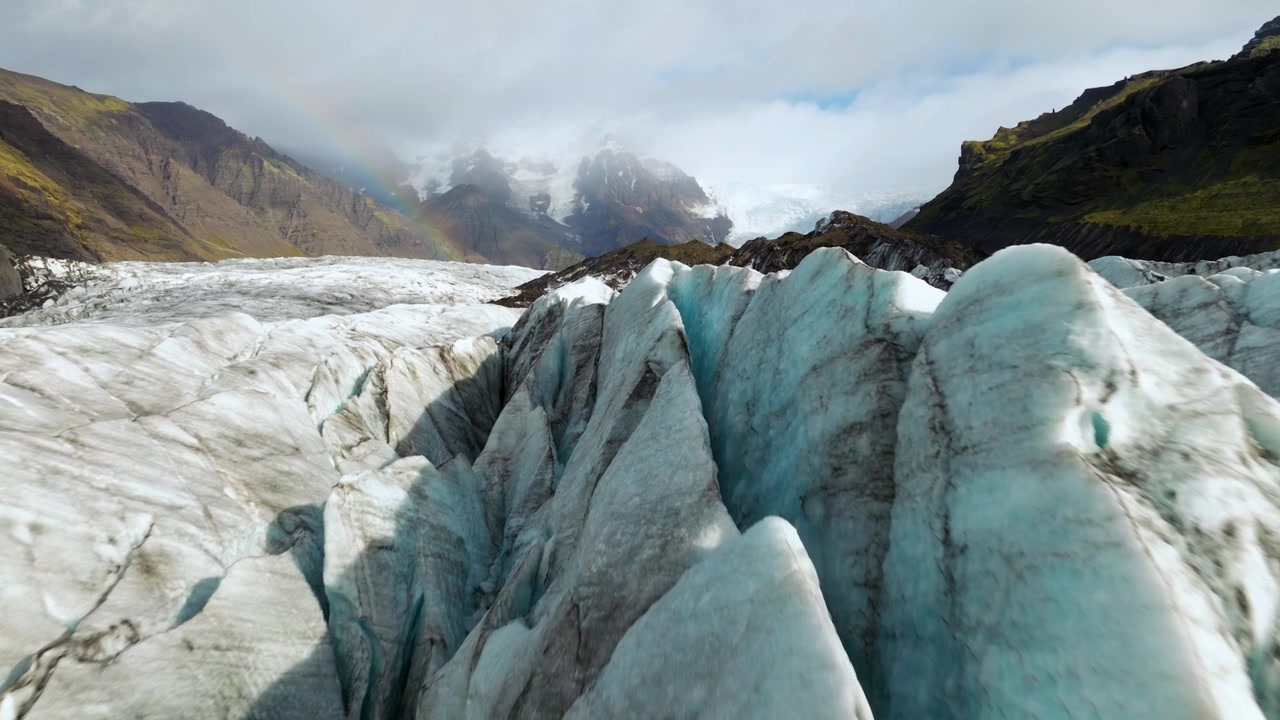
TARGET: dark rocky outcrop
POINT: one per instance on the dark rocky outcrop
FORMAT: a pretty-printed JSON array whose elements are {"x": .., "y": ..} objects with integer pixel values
[
  {"x": 934, "y": 259},
  {"x": 1170, "y": 165},
  {"x": 10, "y": 280},
  {"x": 1266, "y": 40},
  {"x": 876, "y": 244}
]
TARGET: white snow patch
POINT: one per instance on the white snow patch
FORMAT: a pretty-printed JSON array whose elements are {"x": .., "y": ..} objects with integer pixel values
[
  {"x": 138, "y": 293},
  {"x": 771, "y": 210}
]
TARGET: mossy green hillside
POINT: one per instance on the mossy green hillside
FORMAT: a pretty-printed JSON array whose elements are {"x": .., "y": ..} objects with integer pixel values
[
  {"x": 1054, "y": 125},
  {"x": 1164, "y": 156},
  {"x": 1241, "y": 207}
]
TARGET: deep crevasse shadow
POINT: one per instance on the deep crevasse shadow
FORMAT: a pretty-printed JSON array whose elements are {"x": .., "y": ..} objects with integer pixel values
[{"x": 351, "y": 644}]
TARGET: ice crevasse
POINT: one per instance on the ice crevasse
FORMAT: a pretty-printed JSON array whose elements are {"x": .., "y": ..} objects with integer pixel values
[{"x": 834, "y": 492}]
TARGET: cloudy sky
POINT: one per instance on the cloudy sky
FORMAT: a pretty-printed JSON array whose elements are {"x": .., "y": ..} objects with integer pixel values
[{"x": 855, "y": 93}]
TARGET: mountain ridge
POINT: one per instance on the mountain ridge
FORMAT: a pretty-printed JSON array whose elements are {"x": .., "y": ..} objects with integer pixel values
[
  {"x": 56, "y": 201},
  {"x": 602, "y": 203},
  {"x": 233, "y": 195},
  {"x": 1170, "y": 165}
]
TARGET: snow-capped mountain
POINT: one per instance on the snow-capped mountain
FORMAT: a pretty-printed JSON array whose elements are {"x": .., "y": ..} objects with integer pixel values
[
  {"x": 621, "y": 198},
  {"x": 565, "y": 189},
  {"x": 603, "y": 202},
  {"x": 328, "y": 488}
]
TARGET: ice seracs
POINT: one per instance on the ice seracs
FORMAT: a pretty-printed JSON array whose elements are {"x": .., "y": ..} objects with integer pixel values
[
  {"x": 1127, "y": 273},
  {"x": 1229, "y": 308},
  {"x": 1083, "y": 512},
  {"x": 753, "y": 600},
  {"x": 817, "y": 493}
]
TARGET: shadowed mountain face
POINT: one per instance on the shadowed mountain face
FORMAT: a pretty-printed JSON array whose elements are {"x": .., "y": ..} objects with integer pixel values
[
  {"x": 1168, "y": 165},
  {"x": 315, "y": 213},
  {"x": 1264, "y": 41},
  {"x": 543, "y": 216},
  {"x": 483, "y": 215},
  {"x": 489, "y": 228},
  {"x": 94, "y": 177},
  {"x": 621, "y": 199},
  {"x": 375, "y": 171}
]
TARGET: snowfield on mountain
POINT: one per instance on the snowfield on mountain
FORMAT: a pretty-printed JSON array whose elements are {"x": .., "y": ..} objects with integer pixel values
[{"x": 352, "y": 488}]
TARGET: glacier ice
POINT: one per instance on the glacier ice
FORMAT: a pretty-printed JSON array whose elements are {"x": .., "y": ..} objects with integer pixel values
[
  {"x": 405, "y": 553},
  {"x": 259, "y": 648},
  {"x": 751, "y": 601},
  {"x": 1094, "y": 544},
  {"x": 718, "y": 493},
  {"x": 153, "y": 454},
  {"x": 1233, "y": 316},
  {"x": 1127, "y": 273}
]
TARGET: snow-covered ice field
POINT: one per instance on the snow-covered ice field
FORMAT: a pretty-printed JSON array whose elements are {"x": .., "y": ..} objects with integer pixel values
[
  {"x": 352, "y": 488},
  {"x": 138, "y": 293},
  {"x": 176, "y": 418}
]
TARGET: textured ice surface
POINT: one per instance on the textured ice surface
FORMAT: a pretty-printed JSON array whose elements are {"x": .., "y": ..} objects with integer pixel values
[
  {"x": 1084, "y": 513},
  {"x": 1232, "y": 316},
  {"x": 715, "y": 494},
  {"x": 1126, "y": 273},
  {"x": 135, "y": 293},
  {"x": 163, "y": 446},
  {"x": 734, "y": 616}
]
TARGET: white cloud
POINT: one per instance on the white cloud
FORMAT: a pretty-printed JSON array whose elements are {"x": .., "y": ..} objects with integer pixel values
[
  {"x": 711, "y": 86},
  {"x": 894, "y": 134}
]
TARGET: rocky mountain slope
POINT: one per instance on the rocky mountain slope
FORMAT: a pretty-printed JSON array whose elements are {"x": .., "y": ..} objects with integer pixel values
[
  {"x": 542, "y": 215},
  {"x": 828, "y": 493},
  {"x": 489, "y": 219},
  {"x": 1266, "y": 40},
  {"x": 56, "y": 201},
  {"x": 1169, "y": 165},
  {"x": 99, "y": 178},
  {"x": 621, "y": 199},
  {"x": 936, "y": 260},
  {"x": 373, "y": 170}
]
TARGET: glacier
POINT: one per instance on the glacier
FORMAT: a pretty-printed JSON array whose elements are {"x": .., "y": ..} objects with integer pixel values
[
  {"x": 770, "y": 210},
  {"x": 352, "y": 488}
]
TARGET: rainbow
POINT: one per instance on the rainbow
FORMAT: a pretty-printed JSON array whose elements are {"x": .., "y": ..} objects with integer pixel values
[{"x": 326, "y": 123}]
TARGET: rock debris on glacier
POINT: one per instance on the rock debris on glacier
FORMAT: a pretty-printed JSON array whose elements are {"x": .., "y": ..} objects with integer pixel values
[{"x": 718, "y": 493}]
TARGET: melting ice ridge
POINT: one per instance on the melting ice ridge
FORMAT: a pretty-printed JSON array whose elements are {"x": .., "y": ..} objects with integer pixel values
[{"x": 820, "y": 493}]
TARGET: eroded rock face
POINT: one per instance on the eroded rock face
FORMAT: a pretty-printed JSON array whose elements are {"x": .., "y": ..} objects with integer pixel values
[
  {"x": 1163, "y": 165},
  {"x": 10, "y": 281}
]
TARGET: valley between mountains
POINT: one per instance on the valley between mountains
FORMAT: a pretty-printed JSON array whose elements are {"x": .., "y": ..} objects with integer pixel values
[{"x": 514, "y": 439}]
